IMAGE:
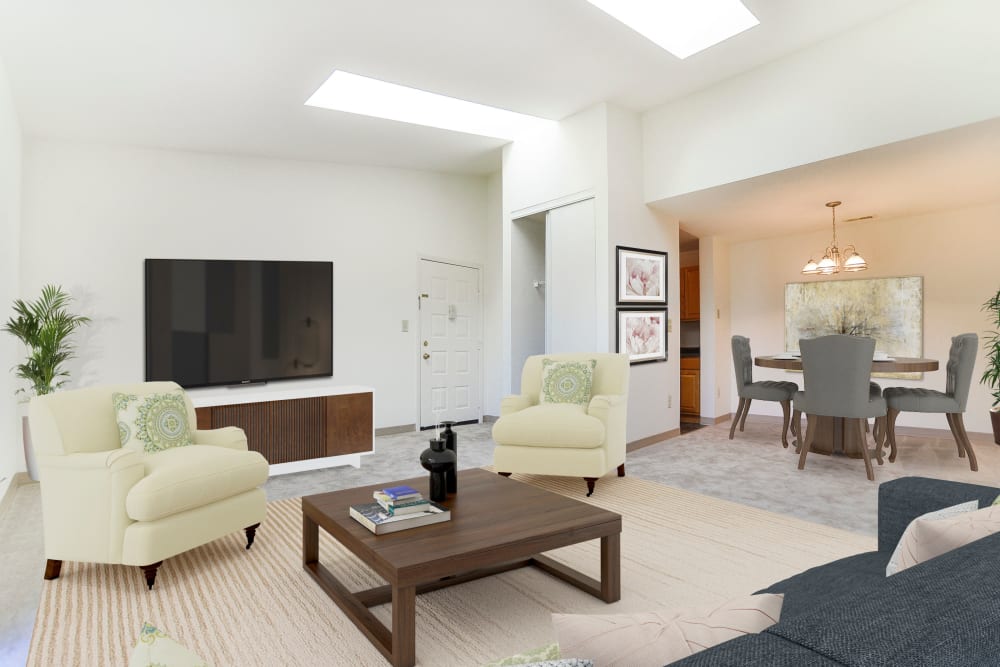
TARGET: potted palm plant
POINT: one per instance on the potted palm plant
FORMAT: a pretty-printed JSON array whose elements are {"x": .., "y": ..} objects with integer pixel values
[
  {"x": 45, "y": 326},
  {"x": 991, "y": 375}
]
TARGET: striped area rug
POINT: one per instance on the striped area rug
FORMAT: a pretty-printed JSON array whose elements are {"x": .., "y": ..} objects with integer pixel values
[{"x": 259, "y": 607}]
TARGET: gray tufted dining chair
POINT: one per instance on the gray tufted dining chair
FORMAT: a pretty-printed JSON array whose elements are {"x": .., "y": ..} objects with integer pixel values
[
  {"x": 952, "y": 401},
  {"x": 837, "y": 375},
  {"x": 748, "y": 390}
]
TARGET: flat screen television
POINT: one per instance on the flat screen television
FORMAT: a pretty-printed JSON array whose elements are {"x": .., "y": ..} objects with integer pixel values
[{"x": 218, "y": 322}]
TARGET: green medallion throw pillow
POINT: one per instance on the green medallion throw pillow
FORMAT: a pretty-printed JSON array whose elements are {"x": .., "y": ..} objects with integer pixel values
[
  {"x": 157, "y": 649},
  {"x": 567, "y": 381},
  {"x": 150, "y": 423}
]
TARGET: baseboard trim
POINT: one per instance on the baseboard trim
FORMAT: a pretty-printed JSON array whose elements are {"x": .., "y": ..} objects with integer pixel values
[
  {"x": 489, "y": 419},
  {"x": 652, "y": 440},
  {"x": 19, "y": 479},
  {"x": 712, "y": 421},
  {"x": 395, "y": 430}
]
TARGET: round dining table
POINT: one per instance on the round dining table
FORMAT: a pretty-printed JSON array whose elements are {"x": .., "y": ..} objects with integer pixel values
[{"x": 830, "y": 435}]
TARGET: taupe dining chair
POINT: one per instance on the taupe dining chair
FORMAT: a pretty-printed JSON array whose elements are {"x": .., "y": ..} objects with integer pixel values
[
  {"x": 837, "y": 376},
  {"x": 951, "y": 402},
  {"x": 748, "y": 390}
]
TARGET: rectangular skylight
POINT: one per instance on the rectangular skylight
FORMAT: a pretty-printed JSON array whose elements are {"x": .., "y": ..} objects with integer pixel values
[
  {"x": 683, "y": 27},
  {"x": 352, "y": 93}
]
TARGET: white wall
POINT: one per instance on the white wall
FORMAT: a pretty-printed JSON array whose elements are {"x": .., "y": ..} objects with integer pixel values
[
  {"x": 92, "y": 213},
  {"x": 929, "y": 66},
  {"x": 954, "y": 251},
  {"x": 632, "y": 223},
  {"x": 11, "y": 452},
  {"x": 493, "y": 371},
  {"x": 716, "y": 345},
  {"x": 527, "y": 247}
]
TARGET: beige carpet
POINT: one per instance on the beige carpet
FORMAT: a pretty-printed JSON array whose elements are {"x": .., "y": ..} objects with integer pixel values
[{"x": 236, "y": 607}]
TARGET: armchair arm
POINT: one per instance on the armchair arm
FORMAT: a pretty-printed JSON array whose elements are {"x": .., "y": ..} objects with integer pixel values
[
  {"x": 611, "y": 410},
  {"x": 230, "y": 437},
  {"x": 511, "y": 404},
  {"x": 605, "y": 401},
  {"x": 83, "y": 501},
  {"x": 900, "y": 501}
]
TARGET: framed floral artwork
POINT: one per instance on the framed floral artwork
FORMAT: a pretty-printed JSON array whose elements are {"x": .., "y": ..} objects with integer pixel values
[
  {"x": 642, "y": 334},
  {"x": 642, "y": 277}
]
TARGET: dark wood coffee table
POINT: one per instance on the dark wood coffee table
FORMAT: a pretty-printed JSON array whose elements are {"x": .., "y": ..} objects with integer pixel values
[{"x": 497, "y": 524}]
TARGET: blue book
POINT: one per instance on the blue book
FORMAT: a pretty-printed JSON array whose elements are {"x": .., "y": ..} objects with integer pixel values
[{"x": 401, "y": 492}]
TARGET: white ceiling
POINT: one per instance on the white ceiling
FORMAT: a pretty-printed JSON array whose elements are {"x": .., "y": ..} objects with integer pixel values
[
  {"x": 935, "y": 172},
  {"x": 231, "y": 76}
]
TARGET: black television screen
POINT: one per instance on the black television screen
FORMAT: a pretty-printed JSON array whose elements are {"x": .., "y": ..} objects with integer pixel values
[{"x": 212, "y": 322}]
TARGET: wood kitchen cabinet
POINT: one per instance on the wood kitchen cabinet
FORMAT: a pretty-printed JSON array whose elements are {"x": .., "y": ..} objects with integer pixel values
[
  {"x": 690, "y": 293},
  {"x": 690, "y": 386}
]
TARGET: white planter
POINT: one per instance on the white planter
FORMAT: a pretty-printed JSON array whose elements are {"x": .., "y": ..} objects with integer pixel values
[{"x": 29, "y": 451}]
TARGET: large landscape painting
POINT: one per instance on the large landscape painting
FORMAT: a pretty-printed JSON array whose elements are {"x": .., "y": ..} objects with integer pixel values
[{"x": 890, "y": 310}]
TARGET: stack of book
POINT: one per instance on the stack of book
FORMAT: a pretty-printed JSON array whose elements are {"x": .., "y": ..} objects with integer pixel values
[{"x": 398, "y": 508}]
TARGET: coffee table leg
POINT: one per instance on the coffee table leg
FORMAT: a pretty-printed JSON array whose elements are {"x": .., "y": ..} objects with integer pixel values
[
  {"x": 404, "y": 626},
  {"x": 611, "y": 577},
  {"x": 310, "y": 541}
]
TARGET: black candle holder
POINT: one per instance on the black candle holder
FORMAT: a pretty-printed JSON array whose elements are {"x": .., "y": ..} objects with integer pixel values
[
  {"x": 451, "y": 442},
  {"x": 438, "y": 461}
]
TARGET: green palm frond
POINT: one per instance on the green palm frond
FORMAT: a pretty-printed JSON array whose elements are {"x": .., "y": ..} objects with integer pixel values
[
  {"x": 991, "y": 374},
  {"x": 45, "y": 326}
]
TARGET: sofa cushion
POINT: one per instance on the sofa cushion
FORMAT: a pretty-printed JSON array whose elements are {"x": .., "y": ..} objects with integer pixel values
[
  {"x": 928, "y": 538},
  {"x": 827, "y": 583},
  {"x": 648, "y": 639},
  {"x": 550, "y": 425},
  {"x": 945, "y": 611},
  {"x": 906, "y": 552},
  {"x": 183, "y": 478},
  {"x": 762, "y": 649},
  {"x": 149, "y": 423},
  {"x": 567, "y": 381}
]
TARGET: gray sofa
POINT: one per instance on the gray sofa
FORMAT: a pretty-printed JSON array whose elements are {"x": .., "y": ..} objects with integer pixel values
[{"x": 944, "y": 612}]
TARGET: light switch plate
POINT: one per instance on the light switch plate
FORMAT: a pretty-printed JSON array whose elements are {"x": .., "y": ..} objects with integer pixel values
[{"x": 406, "y": 325}]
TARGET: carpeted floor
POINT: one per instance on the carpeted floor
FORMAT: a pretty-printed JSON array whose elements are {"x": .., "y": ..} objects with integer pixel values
[
  {"x": 260, "y": 608},
  {"x": 752, "y": 469}
]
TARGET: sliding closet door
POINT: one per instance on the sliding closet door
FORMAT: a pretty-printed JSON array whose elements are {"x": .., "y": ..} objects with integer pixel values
[{"x": 570, "y": 265}]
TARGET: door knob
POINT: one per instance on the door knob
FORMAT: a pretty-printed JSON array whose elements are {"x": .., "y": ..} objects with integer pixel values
[{"x": 426, "y": 356}]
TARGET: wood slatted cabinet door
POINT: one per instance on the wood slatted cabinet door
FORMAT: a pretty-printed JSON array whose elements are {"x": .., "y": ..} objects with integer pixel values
[{"x": 348, "y": 424}]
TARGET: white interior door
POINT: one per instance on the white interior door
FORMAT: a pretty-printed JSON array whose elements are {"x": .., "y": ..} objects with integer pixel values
[
  {"x": 450, "y": 343},
  {"x": 570, "y": 281}
]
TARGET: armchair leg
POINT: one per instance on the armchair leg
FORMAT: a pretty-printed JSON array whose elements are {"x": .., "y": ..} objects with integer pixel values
[
  {"x": 807, "y": 441},
  {"x": 251, "y": 532},
  {"x": 786, "y": 409},
  {"x": 890, "y": 431},
  {"x": 736, "y": 417},
  {"x": 865, "y": 453},
  {"x": 590, "y": 484},
  {"x": 797, "y": 430},
  {"x": 957, "y": 424},
  {"x": 505, "y": 474},
  {"x": 621, "y": 470},
  {"x": 150, "y": 572},
  {"x": 878, "y": 433},
  {"x": 743, "y": 419},
  {"x": 52, "y": 569}
]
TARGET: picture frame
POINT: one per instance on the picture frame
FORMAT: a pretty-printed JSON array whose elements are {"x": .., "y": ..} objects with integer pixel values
[
  {"x": 641, "y": 277},
  {"x": 642, "y": 334}
]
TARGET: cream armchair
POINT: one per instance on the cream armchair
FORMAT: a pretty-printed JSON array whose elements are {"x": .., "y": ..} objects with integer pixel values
[
  {"x": 565, "y": 439},
  {"x": 102, "y": 503}
]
